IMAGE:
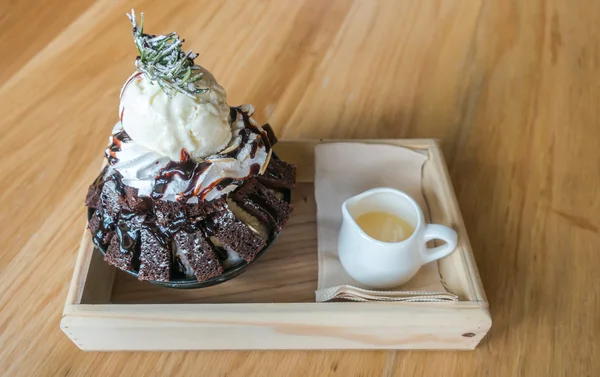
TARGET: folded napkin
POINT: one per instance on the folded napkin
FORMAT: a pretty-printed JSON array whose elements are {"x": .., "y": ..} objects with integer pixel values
[{"x": 343, "y": 170}]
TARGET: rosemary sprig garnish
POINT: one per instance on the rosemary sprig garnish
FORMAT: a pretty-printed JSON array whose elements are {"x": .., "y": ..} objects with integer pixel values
[{"x": 162, "y": 60}]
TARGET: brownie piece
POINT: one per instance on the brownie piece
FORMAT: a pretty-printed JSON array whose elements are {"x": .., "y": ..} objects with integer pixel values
[
  {"x": 110, "y": 198},
  {"x": 94, "y": 222},
  {"x": 96, "y": 226},
  {"x": 270, "y": 134},
  {"x": 134, "y": 203},
  {"x": 197, "y": 254},
  {"x": 203, "y": 209},
  {"x": 114, "y": 256},
  {"x": 264, "y": 230},
  {"x": 262, "y": 203},
  {"x": 92, "y": 198},
  {"x": 123, "y": 251},
  {"x": 155, "y": 257},
  {"x": 167, "y": 213},
  {"x": 279, "y": 174},
  {"x": 236, "y": 235}
]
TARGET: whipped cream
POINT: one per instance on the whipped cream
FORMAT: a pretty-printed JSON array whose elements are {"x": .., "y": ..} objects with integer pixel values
[
  {"x": 166, "y": 125},
  {"x": 185, "y": 179}
]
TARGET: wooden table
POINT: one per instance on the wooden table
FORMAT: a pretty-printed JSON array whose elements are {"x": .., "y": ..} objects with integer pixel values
[{"x": 511, "y": 88}]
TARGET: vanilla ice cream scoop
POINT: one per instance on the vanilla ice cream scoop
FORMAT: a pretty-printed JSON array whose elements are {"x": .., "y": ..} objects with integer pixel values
[{"x": 166, "y": 125}]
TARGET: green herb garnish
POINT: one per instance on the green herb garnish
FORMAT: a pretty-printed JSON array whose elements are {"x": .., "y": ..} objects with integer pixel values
[{"x": 162, "y": 61}]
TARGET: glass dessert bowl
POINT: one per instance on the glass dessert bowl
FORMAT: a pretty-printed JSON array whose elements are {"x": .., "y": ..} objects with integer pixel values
[{"x": 192, "y": 192}]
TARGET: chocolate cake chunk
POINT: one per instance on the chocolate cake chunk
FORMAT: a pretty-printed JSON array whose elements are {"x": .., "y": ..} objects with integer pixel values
[
  {"x": 94, "y": 222},
  {"x": 123, "y": 251},
  {"x": 170, "y": 216},
  {"x": 101, "y": 226},
  {"x": 203, "y": 209},
  {"x": 155, "y": 256},
  {"x": 110, "y": 199},
  {"x": 134, "y": 203},
  {"x": 92, "y": 198},
  {"x": 197, "y": 255},
  {"x": 235, "y": 235},
  {"x": 279, "y": 174},
  {"x": 263, "y": 204},
  {"x": 264, "y": 230}
]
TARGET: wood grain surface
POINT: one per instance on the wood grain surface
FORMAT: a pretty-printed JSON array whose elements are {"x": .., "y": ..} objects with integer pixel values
[{"x": 511, "y": 88}]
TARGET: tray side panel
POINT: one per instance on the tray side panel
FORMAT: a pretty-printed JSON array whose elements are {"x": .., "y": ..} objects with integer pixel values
[
  {"x": 275, "y": 326},
  {"x": 100, "y": 279},
  {"x": 92, "y": 277},
  {"x": 454, "y": 274},
  {"x": 458, "y": 270}
]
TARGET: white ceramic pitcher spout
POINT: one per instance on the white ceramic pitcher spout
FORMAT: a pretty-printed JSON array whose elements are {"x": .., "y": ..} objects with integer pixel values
[{"x": 381, "y": 264}]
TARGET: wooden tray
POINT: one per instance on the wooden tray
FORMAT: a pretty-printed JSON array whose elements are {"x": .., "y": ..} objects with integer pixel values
[{"x": 271, "y": 305}]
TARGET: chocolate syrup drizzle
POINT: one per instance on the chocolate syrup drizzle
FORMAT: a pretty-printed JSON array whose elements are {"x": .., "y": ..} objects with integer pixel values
[
  {"x": 180, "y": 222},
  {"x": 233, "y": 111},
  {"x": 152, "y": 227},
  {"x": 117, "y": 139},
  {"x": 128, "y": 236},
  {"x": 106, "y": 226},
  {"x": 107, "y": 223},
  {"x": 117, "y": 178},
  {"x": 245, "y": 135},
  {"x": 187, "y": 169}
]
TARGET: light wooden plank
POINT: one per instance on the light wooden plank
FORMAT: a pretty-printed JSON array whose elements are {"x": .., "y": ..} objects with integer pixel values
[{"x": 276, "y": 326}]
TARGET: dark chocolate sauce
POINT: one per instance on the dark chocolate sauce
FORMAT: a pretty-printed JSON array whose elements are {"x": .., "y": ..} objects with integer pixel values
[
  {"x": 121, "y": 137},
  {"x": 191, "y": 189},
  {"x": 105, "y": 226},
  {"x": 152, "y": 227},
  {"x": 180, "y": 222},
  {"x": 111, "y": 154},
  {"x": 254, "y": 148},
  {"x": 233, "y": 114},
  {"x": 145, "y": 206},
  {"x": 248, "y": 124},
  {"x": 202, "y": 194},
  {"x": 254, "y": 169},
  {"x": 108, "y": 224},
  {"x": 117, "y": 140},
  {"x": 224, "y": 183},
  {"x": 186, "y": 168},
  {"x": 128, "y": 236},
  {"x": 119, "y": 185},
  {"x": 245, "y": 135}
]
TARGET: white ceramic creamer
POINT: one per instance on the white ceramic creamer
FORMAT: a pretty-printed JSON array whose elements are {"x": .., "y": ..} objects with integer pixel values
[{"x": 380, "y": 264}]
